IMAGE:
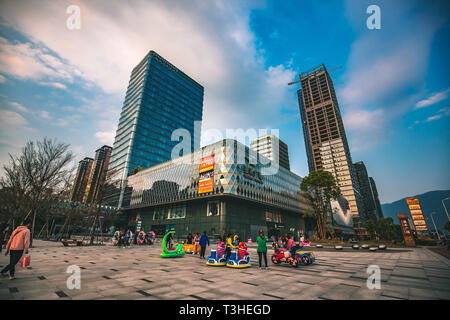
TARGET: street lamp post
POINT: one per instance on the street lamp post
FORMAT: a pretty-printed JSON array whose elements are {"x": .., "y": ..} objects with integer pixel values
[
  {"x": 445, "y": 208},
  {"x": 437, "y": 231}
]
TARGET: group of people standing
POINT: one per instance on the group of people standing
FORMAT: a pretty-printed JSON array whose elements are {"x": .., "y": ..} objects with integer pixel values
[
  {"x": 199, "y": 242},
  {"x": 124, "y": 239}
]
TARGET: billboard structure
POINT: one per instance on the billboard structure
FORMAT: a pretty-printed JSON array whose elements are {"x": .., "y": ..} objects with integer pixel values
[
  {"x": 206, "y": 175},
  {"x": 417, "y": 216},
  {"x": 406, "y": 230}
]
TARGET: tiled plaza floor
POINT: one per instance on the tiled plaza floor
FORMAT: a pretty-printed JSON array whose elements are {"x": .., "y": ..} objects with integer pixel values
[{"x": 139, "y": 273}]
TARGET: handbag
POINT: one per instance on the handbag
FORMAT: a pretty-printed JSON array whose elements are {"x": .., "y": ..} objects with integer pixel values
[{"x": 25, "y": 261}]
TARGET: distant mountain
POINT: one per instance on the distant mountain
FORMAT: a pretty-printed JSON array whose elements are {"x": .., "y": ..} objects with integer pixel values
[{"x": 429, "y": 201}]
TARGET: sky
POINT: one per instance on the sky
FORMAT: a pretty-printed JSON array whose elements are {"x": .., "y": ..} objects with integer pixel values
[{"x": 393, "y": 86}]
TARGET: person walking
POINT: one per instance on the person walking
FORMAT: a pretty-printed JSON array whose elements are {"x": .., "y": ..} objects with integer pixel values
[
  {"x": 18, "y": 243},
  {"x": 290, "y": 243},
  {"x": 116, "y": 238},
  {"x": 196, "y": 243},
  {"x": 203, "y": 241},
  {"x": 262, "y": 248}
]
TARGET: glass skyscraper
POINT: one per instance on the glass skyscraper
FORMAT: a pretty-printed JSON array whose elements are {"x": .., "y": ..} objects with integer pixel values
[{"x": 160, "y": 98}]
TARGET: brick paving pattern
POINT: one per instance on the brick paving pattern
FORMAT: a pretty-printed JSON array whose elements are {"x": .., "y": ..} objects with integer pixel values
[{"x": 138, "y": 272}]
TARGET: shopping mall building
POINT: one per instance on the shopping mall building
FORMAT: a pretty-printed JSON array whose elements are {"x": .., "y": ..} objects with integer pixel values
[{"x": 221, "y": 188}]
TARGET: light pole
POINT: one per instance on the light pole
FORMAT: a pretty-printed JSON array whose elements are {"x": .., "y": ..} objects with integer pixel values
[
  {"x": 445, "y": 208},
  {"x": 437, "y": 231}
]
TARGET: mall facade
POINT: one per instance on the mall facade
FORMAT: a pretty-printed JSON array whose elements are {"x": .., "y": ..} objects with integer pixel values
[{"x": 222, "y": 188}]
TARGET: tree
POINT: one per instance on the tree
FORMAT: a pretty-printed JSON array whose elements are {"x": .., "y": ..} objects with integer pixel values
[
  {"x": 37, "y": 177},
  {"x": 387, "y": 230},
  {"x": 371, "y": 228},
  {"x": 447, "y": 226},
  {"x": 320, "y": 188}
]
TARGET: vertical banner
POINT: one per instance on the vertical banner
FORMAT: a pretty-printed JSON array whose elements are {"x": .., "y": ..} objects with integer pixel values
[
  {"x": 417, "y": 216},
  {"x": 406, "y": 230},
  {"x": 206, "y": 175}
]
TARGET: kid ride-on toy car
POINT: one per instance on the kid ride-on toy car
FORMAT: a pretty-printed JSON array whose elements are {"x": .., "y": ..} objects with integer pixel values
[
  {"x": 294, "y": 257},
  {"x": 176, "y": 252},
  {"x": 239, "y": 259},
  {"x": 217, "y": 256}
]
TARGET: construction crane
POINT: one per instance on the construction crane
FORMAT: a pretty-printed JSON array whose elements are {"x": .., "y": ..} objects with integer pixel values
[{"x": 301, "y": 80}]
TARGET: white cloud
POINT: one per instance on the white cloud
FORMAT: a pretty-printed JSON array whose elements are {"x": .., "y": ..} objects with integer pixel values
[
  {"x": 210, "y": 41},
  {"x": 383, "y": 68},
  {"x": 44, "y": 115},
  {"x": 30, "y": 61},
  {"x": 436, "y": 117},
  {"x": 106, "y": 137},
  {"x": 13, "y": 129},
  {"x": 53, "y": 84},
  {"x": 19, "y": 107},
  {"x": 2, "y": 79},
  {"x": 12, "y": 118},
  {"x": 433, "y": 99}
]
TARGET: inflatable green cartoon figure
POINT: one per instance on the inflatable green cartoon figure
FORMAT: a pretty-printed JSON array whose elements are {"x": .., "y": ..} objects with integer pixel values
[{"x": 176, "y": 252}]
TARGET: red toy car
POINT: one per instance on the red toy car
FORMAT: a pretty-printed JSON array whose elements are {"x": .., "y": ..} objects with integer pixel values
[{"x": 298, "y": 257}]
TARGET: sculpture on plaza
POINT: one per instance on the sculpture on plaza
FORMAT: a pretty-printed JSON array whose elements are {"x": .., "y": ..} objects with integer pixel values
[{"x": 176, "y": 252}]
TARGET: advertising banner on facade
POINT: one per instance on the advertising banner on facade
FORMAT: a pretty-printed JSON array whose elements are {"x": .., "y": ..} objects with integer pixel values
[
  {"x": 417, "y": 216},
  {"x": 206, "y": 177},
  {"x": 207, "y": 164},
  {"x": 406, "y": 230}
]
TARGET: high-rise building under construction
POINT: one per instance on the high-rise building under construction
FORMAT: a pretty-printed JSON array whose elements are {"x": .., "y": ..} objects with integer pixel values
[{"x": 325, "y": 140}]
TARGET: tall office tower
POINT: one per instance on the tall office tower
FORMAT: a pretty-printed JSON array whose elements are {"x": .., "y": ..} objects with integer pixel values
[
  {"x": 81, "y": 179},
  {"x": 373, "y": 186},
  {"x": 97, "y": 175},
  {"x": 273, "y": 148},
  {"x": 160, "y": 99},
  {"x": 365, "y": 188},
  {"x": 325, "y": 140}
]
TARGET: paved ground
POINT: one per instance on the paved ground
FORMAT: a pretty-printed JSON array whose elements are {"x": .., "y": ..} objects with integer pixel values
[{"x": 139, "y": 273}]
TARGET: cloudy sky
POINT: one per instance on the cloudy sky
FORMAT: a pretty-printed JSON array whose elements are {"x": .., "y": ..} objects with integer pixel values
[{"x": 393, "y": 87}]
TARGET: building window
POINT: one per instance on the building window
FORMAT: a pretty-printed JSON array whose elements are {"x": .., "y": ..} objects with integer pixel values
[
  {"x": 213, "y": 208},
  {"x": 159, "y": 213},
  {"x": 273, "y": 216},
  {"x": 177, "y": 212}
]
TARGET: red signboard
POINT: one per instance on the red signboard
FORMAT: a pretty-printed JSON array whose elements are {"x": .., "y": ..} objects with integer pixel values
[
  {"x": 206, "y": 178},
  {"x": 207, "y": 164},
  {"x": 406, "y": 230}
]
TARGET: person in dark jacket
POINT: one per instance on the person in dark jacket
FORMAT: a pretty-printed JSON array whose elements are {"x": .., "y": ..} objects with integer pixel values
[
  {"x": 203, "y": 241},
  {"x": 189, "y": 239}
]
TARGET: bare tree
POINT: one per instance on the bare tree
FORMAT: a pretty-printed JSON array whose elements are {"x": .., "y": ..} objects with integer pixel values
[{"x": 37, "y": 177}]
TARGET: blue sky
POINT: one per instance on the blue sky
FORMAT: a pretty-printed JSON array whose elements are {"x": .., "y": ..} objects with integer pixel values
[{"x": 393, "y": 87}]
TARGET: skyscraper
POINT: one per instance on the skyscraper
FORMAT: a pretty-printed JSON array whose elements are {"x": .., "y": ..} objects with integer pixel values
[
  {"x": 81, "y": 179},
  {"x": 273, "y": 148},
  {"x": 97, "y": 174},
  {"x": 325, "y": 140},
  {"x": 365, "y": 188},
  {"x": 373, "y": 186},
  {"x": 160, "y": 99}
]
